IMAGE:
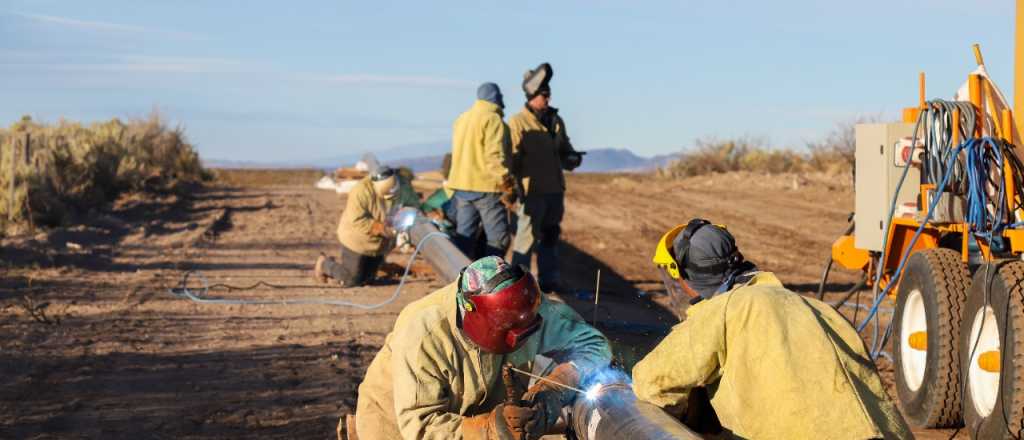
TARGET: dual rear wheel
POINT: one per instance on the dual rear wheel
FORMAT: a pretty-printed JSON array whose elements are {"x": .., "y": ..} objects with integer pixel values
[
  {"x": 991, "y": 341},
  {"x": 959, "y": 345}
]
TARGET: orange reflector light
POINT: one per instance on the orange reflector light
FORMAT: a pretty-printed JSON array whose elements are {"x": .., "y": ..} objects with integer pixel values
[
  {"x": 918, "y": 341},
  {"x": 989, "y": 361}
]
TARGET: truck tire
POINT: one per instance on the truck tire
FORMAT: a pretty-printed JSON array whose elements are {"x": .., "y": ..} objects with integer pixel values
[
  {"x": 931, "y": 299},
  {"x": 993, "y": 404}
]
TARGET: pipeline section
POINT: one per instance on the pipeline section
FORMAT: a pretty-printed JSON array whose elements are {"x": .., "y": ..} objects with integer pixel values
[
  {"x": 442, "y": 255},
  {"x": 613, "y": 411}
]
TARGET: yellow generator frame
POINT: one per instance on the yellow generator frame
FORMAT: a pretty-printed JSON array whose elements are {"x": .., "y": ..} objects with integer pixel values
[
  {"x": 949, "y": 326},
  {"x": 901, "y": 230}
]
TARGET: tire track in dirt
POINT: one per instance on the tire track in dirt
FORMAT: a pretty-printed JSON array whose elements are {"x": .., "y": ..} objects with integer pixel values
[{"x": 129, "y": 360}]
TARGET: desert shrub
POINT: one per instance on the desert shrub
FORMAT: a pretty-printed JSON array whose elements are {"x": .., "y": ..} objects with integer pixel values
[
  {"x": 832, "y": 154},
  {"x": 74, "y": 168},
  {"x": 744, "y": 154}
]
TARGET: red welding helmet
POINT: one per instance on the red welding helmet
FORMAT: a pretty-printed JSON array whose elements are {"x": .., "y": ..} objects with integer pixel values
[{"x": 499, "y": 320}]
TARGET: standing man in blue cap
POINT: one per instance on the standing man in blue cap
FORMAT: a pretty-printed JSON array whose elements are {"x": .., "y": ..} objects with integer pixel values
[{"x": 479, "y": 173}]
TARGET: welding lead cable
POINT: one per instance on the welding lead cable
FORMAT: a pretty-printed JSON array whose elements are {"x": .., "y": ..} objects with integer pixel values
[
  {"x": 917, "y": 234},
  {"x": 976, "y": 201},
  {"x": 895, "y": 197},
  {"x": 828, "y": 269},
  {"x": 185, "y": 292},
  {"x": 849, "y": 293}
]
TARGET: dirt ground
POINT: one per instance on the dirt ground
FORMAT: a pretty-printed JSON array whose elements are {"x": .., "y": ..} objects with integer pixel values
[{"x": 96, "y": 347}]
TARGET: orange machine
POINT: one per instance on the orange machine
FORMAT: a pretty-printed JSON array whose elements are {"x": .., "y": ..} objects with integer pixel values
[{"x": 938, "y": 228}]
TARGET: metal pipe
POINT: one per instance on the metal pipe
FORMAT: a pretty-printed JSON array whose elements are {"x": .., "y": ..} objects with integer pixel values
[
  {"x": 446, "y": 259},
  {"x": 612, "y": 411}
]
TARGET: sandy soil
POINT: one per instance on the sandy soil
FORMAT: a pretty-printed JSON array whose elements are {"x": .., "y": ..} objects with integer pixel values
[{"x": 96, "y": 347}]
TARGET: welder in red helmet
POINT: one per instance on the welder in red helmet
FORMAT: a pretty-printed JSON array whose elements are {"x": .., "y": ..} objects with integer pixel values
[{"x": 439, "y": 373}]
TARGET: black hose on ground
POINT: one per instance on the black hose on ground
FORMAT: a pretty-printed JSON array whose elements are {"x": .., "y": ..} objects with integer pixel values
[
  {"x": 824, "y": 278},
  {"x": 856, "y": 288},
  {"x": 828, "y": 266}
]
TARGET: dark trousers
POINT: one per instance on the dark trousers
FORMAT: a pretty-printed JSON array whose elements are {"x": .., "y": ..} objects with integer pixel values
[
  {"x": 354, "y": 269},
  {"x": 539, "y": 229}
]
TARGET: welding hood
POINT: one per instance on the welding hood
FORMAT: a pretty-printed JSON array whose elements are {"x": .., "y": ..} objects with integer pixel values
[{"x": 536, "y": 80}]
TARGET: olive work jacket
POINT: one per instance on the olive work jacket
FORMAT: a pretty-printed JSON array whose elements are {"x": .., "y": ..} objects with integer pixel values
[{"x": 537, "y": 150}]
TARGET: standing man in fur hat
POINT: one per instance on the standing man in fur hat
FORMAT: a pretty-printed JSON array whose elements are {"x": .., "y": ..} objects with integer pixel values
[{"x": 540, "y": 151}]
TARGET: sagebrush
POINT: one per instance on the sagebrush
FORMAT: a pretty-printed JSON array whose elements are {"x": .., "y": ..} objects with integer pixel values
[
  {"x": 74, "y": 168},
  {"x": 834, "y": 154}
]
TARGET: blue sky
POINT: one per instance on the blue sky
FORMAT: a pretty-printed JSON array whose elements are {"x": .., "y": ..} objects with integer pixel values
[{"x": 276, "y": 81}]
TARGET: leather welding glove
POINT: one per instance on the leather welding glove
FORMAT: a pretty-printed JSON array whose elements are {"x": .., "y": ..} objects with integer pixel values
[
  {"x": 509, "y": 200},
  {"x": 571, "y": 160},
  {"x": 378, "y": 229},
  {"x": 508, "y": 183},
  {"x": 548, "y": 399},
  {"x": 508, "y": 191},
  {"x": 504, "y": 422}
]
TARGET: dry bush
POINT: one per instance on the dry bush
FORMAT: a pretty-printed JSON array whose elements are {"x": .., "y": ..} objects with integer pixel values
[
  {"x": 833, "y": 154},
  {"x": 74, "y": 168},
  {"x": 744, "y": 154}
]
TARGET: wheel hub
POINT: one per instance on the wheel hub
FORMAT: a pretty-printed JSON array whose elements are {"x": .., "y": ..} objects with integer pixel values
[
  {"x": 982, "y": 375},
  {"x": 913, "y": 359}
]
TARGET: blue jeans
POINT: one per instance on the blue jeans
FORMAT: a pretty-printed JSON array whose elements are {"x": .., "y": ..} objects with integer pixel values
[
  {"x": 539, "y": 228},
  {"x": 474, "y": 210}
]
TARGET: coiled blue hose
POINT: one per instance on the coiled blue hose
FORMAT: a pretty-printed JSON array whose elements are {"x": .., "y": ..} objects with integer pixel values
[{"x": 981, "y": 152}]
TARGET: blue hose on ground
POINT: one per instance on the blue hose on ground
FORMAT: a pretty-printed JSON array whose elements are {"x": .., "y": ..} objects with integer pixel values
[{"x": 185, "y": 292}]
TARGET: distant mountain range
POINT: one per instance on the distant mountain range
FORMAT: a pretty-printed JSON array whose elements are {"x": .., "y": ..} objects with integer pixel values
[{"x": 427, "y": 156}]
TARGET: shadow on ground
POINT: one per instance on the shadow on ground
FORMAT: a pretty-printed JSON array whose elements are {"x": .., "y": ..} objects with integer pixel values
[
  {"x": 93, "y": 242},
  {"x": 629, "y": 317},
  {"x": 281, "y": 391}
]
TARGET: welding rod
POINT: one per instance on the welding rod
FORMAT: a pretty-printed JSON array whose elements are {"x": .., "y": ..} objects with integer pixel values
[{"x": 544, "y": 379}]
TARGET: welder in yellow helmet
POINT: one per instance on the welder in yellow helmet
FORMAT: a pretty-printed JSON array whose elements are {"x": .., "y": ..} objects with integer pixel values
[
  {"x": 363, "y": 229},
  {"x": 774, "y": 364}
]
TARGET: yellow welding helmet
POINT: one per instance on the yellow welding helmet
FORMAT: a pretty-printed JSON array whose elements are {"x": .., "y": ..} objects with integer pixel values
[{"x": 663, "y": 257}]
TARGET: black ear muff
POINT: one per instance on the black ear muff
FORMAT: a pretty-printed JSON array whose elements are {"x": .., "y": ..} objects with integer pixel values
[{"x": 691, "y": 228}]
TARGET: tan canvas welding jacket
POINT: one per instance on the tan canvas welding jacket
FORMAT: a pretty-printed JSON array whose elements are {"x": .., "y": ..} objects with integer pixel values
[
  {"x": 364, "y": 207},
  {"x": 428, "y": 375},
  {"x": 776, "y": 365}
]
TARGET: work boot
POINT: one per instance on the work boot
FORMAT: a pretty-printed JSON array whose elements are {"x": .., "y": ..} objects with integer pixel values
[{"x": 318, "y": 269}]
